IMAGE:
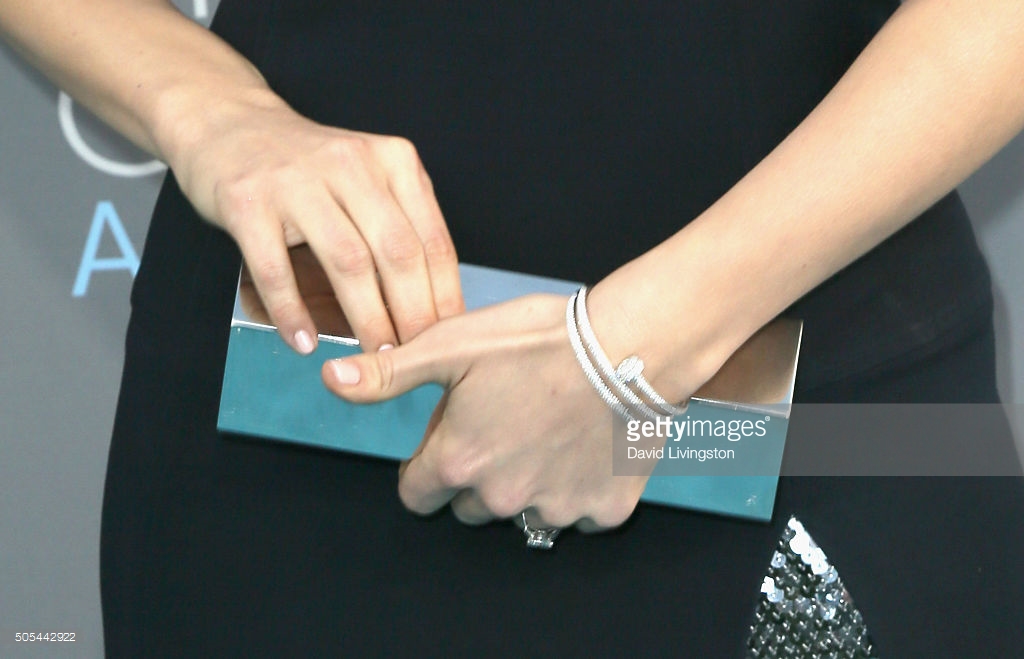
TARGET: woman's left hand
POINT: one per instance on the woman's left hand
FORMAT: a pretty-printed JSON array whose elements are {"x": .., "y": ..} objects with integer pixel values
[{"x": 519, "y": 428}]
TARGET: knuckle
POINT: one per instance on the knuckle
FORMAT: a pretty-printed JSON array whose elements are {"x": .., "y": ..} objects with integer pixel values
[
  {"x": 504, "y": 502},
  {"x": 614, "y": 513},
  {"x": 454, "y": 473},
  {"x": 402, "y": 149},
  {"x": 455, "y": 469},
  {"x": 402, "y": 250},
  {"x": 270, "y": 274},
  {"x": 348, "y": 150},
  {"x": 351, "y": 257},
  {"x": 439, "y": 248}
]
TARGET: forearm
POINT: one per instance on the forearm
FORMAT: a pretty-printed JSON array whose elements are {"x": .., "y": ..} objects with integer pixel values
[
  {"x": 935, "y": 94},
  {"x": 142, "y": 66}
]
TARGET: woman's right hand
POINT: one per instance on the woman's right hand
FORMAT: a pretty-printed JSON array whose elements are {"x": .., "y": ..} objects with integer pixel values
[
  {"x": 364, "y": 204},
  {"x": 253, "y": 166}
]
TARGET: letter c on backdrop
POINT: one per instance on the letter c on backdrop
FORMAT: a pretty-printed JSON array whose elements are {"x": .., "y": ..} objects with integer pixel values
[
  {"x": 65, "y": 114},
  {"x": 86, "y": 153}
]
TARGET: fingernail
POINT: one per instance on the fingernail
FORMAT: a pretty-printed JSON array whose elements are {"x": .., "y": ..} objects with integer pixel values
[
  {"x": 304, "y": 342},
  {"x": 345, "y": 372},
  {"x": 386, "y": 346}
]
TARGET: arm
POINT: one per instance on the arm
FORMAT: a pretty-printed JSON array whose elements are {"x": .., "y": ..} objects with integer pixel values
[
  {"x": 252, "y": 166},
  {"x": 935, "y": 94}
]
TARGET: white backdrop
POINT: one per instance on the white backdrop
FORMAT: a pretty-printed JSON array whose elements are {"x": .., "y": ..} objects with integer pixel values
[{"x": 64, "y": 301}]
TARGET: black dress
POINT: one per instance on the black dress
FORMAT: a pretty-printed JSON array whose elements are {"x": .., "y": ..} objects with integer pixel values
[{"x": 539, "y": 123}]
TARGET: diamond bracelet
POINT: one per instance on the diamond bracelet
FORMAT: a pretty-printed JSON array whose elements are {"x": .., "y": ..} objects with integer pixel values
[{"x": 623, "y": 388}]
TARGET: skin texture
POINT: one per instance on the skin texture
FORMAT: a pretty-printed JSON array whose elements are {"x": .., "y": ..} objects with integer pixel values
[{"x": 936, "y": 93}]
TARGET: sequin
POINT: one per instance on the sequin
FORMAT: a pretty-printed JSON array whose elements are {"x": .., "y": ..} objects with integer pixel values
[
  {"x": 818, "y": 562},
  {"x": 772, "y": 593},
  {"x": 827, "y": 605},
  {"x": 800, "y": 544},
  {"x": 806, "y": 610}
]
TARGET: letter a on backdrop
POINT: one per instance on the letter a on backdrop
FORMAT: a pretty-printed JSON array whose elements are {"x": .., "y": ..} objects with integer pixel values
[{"x": 105, "y": 216}]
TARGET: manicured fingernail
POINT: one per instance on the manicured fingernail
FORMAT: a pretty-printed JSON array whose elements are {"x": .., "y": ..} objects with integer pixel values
[
  {"x": 345, "y": 372},
  {"x": 386, "y": 346},
  {"x": 304, "y": 342}
]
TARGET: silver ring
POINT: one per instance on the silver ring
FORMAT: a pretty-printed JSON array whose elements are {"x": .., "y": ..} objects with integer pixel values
[{"x": 539, "y": 538}]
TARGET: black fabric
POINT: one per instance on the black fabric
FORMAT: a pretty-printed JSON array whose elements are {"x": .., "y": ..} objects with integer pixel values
[{"x": 544, "y": 127}]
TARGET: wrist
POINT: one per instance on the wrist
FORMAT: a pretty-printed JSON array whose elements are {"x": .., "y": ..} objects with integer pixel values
[
  {"x": 681, "y": 338},
  {"x": 186, "y": 116}
]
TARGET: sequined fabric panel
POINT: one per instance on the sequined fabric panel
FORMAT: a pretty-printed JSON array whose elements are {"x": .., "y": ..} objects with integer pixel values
[{"x": 804, "y": 610}]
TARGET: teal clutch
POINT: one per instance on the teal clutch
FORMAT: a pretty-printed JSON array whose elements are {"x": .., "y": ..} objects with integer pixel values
[{"x": 270, "y": 392}]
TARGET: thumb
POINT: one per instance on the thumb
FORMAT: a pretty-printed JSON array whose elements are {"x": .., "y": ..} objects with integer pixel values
[{"x": 389, "y": 372}]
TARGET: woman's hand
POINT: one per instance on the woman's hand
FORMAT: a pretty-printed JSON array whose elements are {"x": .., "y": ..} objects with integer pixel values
[
  {"x": 520, "y": 428},
  {"x": 364, "y": 204},
  {"x": 250, "y": 164}
]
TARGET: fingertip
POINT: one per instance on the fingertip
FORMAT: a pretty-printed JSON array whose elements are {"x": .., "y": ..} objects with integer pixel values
[
  {"x": 304, "y": 342},
  {"x": 342, "y": 372}
]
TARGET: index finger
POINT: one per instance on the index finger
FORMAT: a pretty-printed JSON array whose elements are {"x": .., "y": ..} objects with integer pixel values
[{"x": 270, "y": 268}]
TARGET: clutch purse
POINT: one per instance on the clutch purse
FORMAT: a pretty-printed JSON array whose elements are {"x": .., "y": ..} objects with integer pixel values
[{"x": 272, "y": 393}]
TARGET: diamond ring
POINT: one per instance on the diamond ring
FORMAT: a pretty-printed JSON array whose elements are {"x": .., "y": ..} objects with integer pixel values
[{"x": 539, "y": 538}]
